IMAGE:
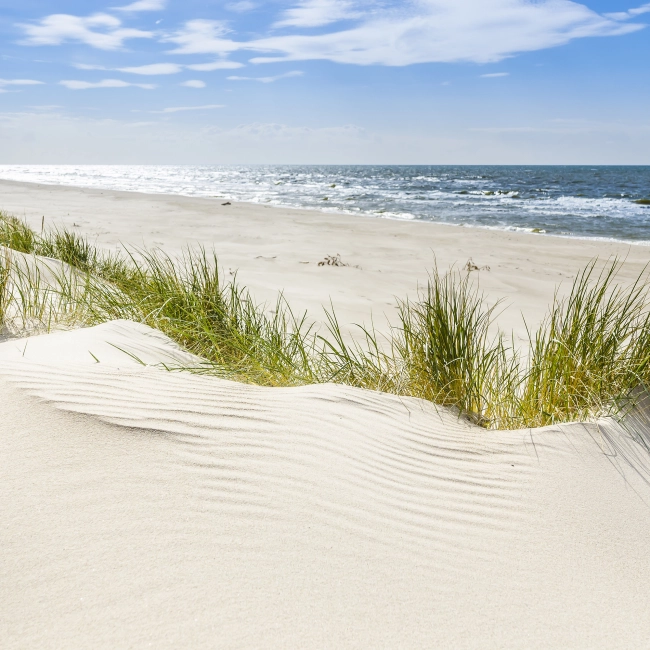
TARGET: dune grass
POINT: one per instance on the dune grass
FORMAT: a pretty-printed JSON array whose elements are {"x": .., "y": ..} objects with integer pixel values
[
  {"x": 591, "y": 352},
  {"x": 585, "y": 360},
  {"x": 448, "y": 353},
  {"x": 184, "y": 298}
]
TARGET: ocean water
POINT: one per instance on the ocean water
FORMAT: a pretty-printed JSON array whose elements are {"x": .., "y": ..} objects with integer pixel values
[{"x": 578, "y": 201}]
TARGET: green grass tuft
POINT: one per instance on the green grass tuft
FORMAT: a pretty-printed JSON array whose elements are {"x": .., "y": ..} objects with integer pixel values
[
  {"x": 16, "y": 234},
  {"x": 591, "y": 351},
  {"x": 444, "y": 343},
  {"x": 586, "y": 359}
]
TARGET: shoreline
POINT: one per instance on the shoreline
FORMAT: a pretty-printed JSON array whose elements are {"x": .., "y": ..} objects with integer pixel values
[
  {"x": 274, "y": 249},
  {"x": 364, "y": 214}
]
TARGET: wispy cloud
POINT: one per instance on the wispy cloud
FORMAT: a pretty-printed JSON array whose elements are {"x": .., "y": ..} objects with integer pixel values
[
  {"x": 442, "y": 31},
  {"x": 89, "y": 66},
  {"x": 268, "y": 80},
  {"x": 315, "y": 13},
  {"x": 202, "y": 36},
  {"x": 100, "y": 30},
  {"x": 181, "y": 109},
  {"x": 153, "y": 69},
  {"x": 381, "y": 33},
  {"x": 493, "y": 75},
  {"x": 20, "y": 82},
  {"x": 643, "y": 9},
  {"x": 142, "y": 5},
  {"x": 105, "y": 83},
  {"x": 631, "y": 13},
  {"x": 215, "y": 65},
  {"x": 241, "y": 7}
]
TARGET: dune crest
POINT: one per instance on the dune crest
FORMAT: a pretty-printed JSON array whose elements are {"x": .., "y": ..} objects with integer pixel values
[{"x": 146, "y": 507}]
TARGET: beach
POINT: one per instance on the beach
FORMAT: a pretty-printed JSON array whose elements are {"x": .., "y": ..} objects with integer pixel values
[
  {"x": 275, "y": 249},
  {"x": 149, "y": 508}
]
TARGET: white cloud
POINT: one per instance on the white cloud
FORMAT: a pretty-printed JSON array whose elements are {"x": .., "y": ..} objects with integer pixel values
[
  {"x": 215, "y": 65},
  {"x": 181, "y": 109},
  {"x": 493, "y": 75},
  {"x": 164, "y": 68},
  {"x": 20, "y": 82},
  {"x": 204, "y": 37},
  {"x": 100, "y": 30},
  {"x": 143, "y": 5},
  {"x": 268, "y": 80},
  {"x": 88, "y": 66},
  {"x": 643, "y": 9},
  {"x": 241, "y": 6},
  {"x": 314, "y": 13},
  {"x": 105, "y": 83},
  {"x": 631, "y": 13},
  {"x": 154, "y": 69},
  {"x": 395, "y": 34},
  {"x": 150, "y": 69},
  {"x": 418, "y": 31},
  {"x": 194, "y": 83}
]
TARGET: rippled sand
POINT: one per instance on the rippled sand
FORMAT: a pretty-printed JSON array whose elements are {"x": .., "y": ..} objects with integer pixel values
[{"x": 143, "y": 507}]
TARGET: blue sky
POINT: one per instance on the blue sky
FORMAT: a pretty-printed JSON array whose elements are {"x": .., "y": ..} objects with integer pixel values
[{"x": 325, "y": 81}]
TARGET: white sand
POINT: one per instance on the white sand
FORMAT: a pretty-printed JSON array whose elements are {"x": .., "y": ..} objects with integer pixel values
[
  {"x": 147, "y": 508},
  {"x": 266, "y": 246}
]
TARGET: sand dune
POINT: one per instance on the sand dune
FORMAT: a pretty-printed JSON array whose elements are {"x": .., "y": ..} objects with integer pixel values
[{"x": 144, "y": 507}]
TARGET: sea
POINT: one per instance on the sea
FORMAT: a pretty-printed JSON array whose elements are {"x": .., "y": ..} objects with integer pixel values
[{"x": 595, "y": 202}]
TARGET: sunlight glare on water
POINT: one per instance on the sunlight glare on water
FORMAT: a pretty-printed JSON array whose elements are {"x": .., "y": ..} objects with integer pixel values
[{"x": 593, "y": 202}]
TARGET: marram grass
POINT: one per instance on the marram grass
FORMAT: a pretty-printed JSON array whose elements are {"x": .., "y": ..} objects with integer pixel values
[{"x": 587, "y": 358}]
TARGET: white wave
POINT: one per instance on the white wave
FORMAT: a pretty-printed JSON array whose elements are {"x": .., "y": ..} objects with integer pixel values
[{"x": 372, "y": 191}]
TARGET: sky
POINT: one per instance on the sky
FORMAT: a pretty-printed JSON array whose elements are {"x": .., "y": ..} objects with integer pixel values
[{"x": 324, "y": 82}]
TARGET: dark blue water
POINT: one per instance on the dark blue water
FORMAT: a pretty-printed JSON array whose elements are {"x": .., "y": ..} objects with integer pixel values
[{"x": 584, "y": 201}]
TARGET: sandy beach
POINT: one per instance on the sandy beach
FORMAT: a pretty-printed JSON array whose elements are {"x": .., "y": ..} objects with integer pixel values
[
  {"x": 149, "y": 508},
  {"x": 274, "y": 249}
]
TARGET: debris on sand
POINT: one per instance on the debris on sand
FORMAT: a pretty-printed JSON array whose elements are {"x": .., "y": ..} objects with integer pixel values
[
  {"x": 470, "y": 266},
  {"x": 335, "y": 260}
]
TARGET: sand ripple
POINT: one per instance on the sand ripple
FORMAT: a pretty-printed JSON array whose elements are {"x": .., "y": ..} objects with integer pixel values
[{"x": 313, "y": 516}]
